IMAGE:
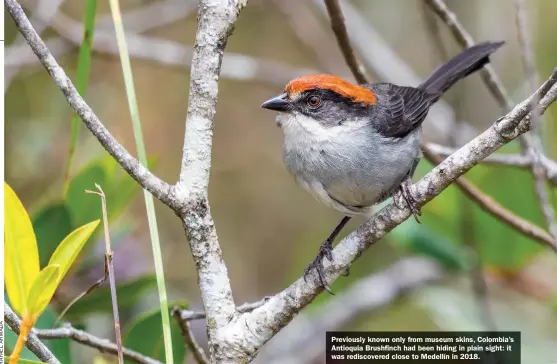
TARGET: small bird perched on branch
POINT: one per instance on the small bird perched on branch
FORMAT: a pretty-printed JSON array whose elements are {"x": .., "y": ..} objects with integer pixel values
[{"x": 353, "y": 146}]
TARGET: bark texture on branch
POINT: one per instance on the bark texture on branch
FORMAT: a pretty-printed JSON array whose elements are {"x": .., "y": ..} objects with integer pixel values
[{"x": 215, "y": 21}]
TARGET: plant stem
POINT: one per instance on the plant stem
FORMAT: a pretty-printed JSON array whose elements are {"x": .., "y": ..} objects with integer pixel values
[{"x": 142, "y": 156}]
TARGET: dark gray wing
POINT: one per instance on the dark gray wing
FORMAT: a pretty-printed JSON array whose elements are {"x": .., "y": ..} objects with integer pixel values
[{"x": 403, "y": 109}]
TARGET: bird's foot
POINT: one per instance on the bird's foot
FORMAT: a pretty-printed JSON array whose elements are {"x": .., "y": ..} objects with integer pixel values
[
  {"x": 408, "y": 198},
  {"x": 325, "y": 251}
]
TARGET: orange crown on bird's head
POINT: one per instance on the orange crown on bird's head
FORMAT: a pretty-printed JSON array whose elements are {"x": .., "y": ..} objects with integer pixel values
[{"x": 329, "y": 82}]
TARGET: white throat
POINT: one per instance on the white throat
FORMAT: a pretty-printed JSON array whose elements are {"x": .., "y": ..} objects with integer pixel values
[{"x": 298, "y": 126}]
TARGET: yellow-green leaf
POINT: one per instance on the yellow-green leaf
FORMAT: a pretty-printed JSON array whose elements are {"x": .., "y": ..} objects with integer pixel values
[
  {"x": 43, "y": 289},
  {"x": 21, "y": 257},
  {"x": 69, "y": 248}
]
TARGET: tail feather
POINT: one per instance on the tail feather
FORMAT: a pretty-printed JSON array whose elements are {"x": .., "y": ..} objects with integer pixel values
[{"x": 460, "y": 66}]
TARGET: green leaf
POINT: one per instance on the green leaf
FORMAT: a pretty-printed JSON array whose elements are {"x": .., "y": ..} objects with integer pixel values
[
  {"x": 51, "y": 224},
  {"x": 422, "y": 240},
  {"x": 43, "y": 289},
  {"x": 117, "y": 185},
  {"x": 23, "y": 361},
  {"x": 69, "y": 248},
  {"x": 491, "y": 235},
  {"x": 99, "y": 300},
  {"x": 152, "y": 345},
  {"x": 21, "y": 257},
  {"x": 122, "y": 189}
]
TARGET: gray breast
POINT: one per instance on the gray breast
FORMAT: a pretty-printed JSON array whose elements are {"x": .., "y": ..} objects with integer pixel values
[{"x": 350, "y": 170}]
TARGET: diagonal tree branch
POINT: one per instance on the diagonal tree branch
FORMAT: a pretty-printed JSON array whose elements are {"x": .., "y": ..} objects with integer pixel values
[
  {"x": 489, "y": 76},
  {"x": 189, "y": 337},
  {"x": 44, "y": 9},
  {"x": 302, "y": 340},
  {"x": 337, "y": 23},
  {"x": 33, "y": 343},
  {"x": 510, "y": 160},
  {"x": 492, "y": 207},
  {"x": 85, "y": 338},
  {"x": 142, "y": 175},
  {"x": 264, "y": 322}
]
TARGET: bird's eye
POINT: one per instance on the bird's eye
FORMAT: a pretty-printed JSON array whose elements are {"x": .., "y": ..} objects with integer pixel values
[{"x": 314, "y": 101}]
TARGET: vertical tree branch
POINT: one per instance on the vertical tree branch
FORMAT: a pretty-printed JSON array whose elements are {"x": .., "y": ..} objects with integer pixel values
[{"x": 215, "y": 23}]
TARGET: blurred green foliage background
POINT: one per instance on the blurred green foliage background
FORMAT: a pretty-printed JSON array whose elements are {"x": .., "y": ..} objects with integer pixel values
[{"x": 269, "y": 228}]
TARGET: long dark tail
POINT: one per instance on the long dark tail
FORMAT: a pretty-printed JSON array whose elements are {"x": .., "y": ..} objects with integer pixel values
[{"x": 463, "y": 64}]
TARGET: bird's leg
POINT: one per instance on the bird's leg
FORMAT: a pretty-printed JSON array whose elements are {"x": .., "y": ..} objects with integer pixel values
[
  {"x": 404, "y": 190},
  {"x": 325, "y": 251}
]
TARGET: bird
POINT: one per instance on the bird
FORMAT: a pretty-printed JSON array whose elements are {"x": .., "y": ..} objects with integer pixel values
[{"x": 353, "y": 146}]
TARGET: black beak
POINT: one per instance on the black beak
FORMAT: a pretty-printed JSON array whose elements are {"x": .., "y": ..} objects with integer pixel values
[{"x": 278, "y": 103}]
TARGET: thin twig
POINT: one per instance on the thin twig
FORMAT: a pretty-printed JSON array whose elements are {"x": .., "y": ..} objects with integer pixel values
[
  {"x": 32, "y": 342},
  {"x": 187, "y": 315},
  {"x": 94, "y": 286},
  {"x": 499, "y": 159},
  {"x": 492, "y": 207},
  {"x": 535, "y": 149},
  {"x": 339, "y": 28},
  {"x": 110, "y": 268},
  {"x": 310, "y": 30},
  {"x": 87, "y": 339},
  {"x": 432, "y": 28},
  {"x": 141, "y": 174},
  {"x": 489, "y": 76},
  {"x": 189, "y": 338}
]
